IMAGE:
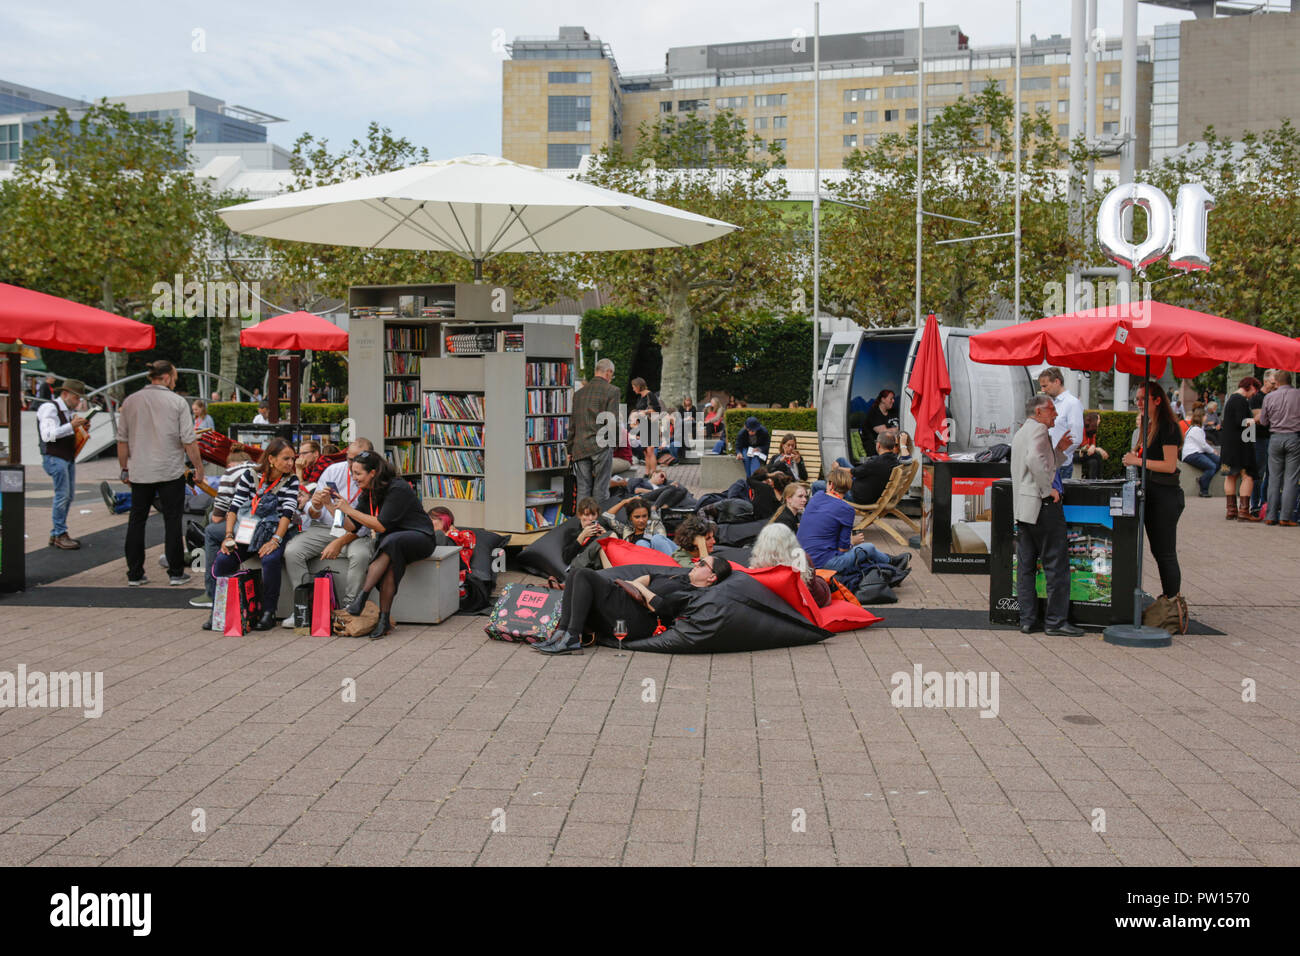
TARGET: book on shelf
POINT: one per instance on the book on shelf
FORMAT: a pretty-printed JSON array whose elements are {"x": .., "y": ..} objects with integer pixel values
[
  {"x": 461, "y": 462},
  {"x": 404, "y": 458},
  {"x": 401, "y": 339},
  {"x": 373, "y": 312},
  {"x": 544, "y": 496},
  {"x": 549, "y": 374},
  {"x": 447, "y": 486},
  {"x": 546, "y": 456},
  {"x": 510, "y": 340},
  {"x": 402, "y": 363},
  {"x": 397, "y": 391},
  {"x": 454, "y": 434},
  {"x": 546, "y": 429},
  {"x": 548, "y": 401},
  {"x": 470, "y": 343},
  {"x": 463, "y": 406},
  {"x": 402, "y": 425},
  {"x": 535, "y": 519}
]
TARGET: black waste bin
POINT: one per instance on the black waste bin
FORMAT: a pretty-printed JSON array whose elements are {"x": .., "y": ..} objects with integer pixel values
[{"x": 13, "y": 553}]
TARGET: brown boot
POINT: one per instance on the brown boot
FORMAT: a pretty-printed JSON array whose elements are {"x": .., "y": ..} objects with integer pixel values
[
  {"x": 1232, "y": 507},
  {"x": 1243, "y": 509},
  {"x": 64, "y": 543}
]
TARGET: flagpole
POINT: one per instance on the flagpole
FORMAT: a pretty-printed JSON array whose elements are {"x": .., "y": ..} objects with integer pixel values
[
  {"x": 817, "y": 200},
  {"x": 920, "y": 146},
  {"x": 1017, "y": 137}
]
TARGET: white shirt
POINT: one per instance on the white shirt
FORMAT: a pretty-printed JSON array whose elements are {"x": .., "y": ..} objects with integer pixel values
[
  {"x": 260, "y": 419},
  {"x": 1194, "y": 442},
  {"x": 340, "y": 475},
  {"x": 1069, "y": 417},
  {"x": 47, "y": 417}
]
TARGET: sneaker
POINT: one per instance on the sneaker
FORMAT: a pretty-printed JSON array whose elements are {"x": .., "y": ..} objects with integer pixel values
[
  {"x": 110, "y": 499},
  {"x": 136, "y": 583},
  {"x": 901, "y": 561},
  {"x": 162, "y": 562},
  {"x": 287, "y": 623},
  {"x": 201, "y": 601},
  {"x": 176, "y": 580}
]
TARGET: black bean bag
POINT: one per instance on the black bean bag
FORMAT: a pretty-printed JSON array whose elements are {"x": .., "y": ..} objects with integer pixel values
[
  {"x": 544, "y": 556},
  {"x": 733, "y": 554},
  {"x": 742, "y": 534},
  {"x": 740, "y": 614}
]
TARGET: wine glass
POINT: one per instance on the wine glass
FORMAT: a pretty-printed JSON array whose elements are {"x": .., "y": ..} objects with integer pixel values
[{"x": 620, "y": 632}]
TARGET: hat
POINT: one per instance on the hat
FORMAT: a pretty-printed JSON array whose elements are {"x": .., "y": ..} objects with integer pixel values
[
  {"x": 751, "y": 423},
  {"x": 75, "y": 386}
]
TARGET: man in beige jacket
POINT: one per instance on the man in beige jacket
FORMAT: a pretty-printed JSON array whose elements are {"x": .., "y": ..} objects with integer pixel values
[{"x": 1040, "y": 520}]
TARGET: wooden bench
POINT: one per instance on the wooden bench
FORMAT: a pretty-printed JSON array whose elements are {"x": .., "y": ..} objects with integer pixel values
[{"x": 810, "y": 450}]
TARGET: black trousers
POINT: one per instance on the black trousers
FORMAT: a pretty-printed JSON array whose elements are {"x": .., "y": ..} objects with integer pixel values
[
  {"x": 593, "y": 602},
  {"x": 1165, "y": 504},
  {"x": 1092, "y": 467},
  {"x": 403, "y": 548},
  {"x": 1045, "y": 540},
  {"x": 171, "y": 500}
]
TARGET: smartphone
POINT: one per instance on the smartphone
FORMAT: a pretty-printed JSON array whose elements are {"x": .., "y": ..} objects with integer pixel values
[{"x": 332, "y": 487}]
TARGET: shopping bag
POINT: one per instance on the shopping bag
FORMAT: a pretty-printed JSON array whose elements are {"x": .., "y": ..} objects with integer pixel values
[
  {"x": 243, "y": 601},
  {"x": 302, "y": 601},
  {"x": 220, "y": 598},
  {"x": 524, "y": 614},
  {"x": 323, "y": 603}
]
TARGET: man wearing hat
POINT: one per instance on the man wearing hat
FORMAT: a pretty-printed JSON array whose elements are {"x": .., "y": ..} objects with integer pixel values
[
  {"x": 752, "y": 445},
  {"x": 58, "y": 422}
]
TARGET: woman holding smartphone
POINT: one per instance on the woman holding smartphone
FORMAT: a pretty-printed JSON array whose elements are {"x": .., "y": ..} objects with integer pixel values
[{"x": 390, "y": 508}]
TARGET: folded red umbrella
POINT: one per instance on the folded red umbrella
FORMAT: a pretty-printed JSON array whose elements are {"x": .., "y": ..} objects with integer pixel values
[{"x": 930, "y": 387}]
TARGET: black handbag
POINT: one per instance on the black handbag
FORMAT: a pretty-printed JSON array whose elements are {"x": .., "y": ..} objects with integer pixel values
[{"x": 302, "y": 596}]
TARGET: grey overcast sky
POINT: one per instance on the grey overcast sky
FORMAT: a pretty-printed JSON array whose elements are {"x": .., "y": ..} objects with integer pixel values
[{"x": 429, "y": 70}]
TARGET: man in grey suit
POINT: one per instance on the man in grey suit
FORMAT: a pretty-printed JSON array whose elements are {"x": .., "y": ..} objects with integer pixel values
[
  {"x": 593, "y": 432},
  {"x": 1040, "y": 520}
]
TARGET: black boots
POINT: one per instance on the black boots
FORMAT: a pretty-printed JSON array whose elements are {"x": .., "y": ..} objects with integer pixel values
[
  {"x": 382, "y": 627},
  {"x": 358, "y": 605}
]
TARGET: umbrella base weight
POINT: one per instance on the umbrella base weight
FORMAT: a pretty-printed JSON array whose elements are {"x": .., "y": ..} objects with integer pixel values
[{"x": 1136, "y": 635}]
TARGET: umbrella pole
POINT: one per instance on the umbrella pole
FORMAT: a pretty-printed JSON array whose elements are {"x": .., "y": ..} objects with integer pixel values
[
  {"x": 1137, "y": 634},
  {"x": 478, "y": 270}
]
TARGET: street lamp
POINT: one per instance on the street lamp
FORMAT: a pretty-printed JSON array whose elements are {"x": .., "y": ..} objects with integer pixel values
[{"x": 595, "y": 347}]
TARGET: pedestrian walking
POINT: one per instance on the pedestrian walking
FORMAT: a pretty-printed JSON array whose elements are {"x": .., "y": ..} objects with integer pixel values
[
  {"x": 155, "y": 436},
  {"x": 58, "y": 422},
  {"x": 1237, "y": 440},
  {"x": 1280, "y": 412},
  {"x": 593, "y": 430},
  {"x": 1263, "y": 438},
  {"x": 1040, "y": 519}
]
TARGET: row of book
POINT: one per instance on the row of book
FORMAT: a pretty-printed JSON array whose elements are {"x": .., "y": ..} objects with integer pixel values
[
  {"x": 546, "y": 429},
  {"x": 405, "y": 339},
  {"x": 542, "y": 496},
  {"x": 401, "y": 363},
  {"x": 445, "y": 486},
  {"x": 548, "y": 373},
  {"x": 454, "y": 460},
  {"x": 402, "y": 425},
  {"x": 537, "y": 518},
  {"x": 405, "y": 458},
  {"x": 548, "y": 402},
  {"x": 399, "y": 391},
  {"x": 546, "y": 456},
  {"x": 463, "y": 406},
  {"x": 373, "y": 312},
  {"x": 470, "y": 343},
  {"x": 450, "y": 433}
]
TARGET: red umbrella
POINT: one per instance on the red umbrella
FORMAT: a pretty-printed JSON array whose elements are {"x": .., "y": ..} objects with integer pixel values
[
  {"x": 1131, "y": 336},
  {"x": 930, "y": 387},
  {"x": 296, "y": 330},
  {"x": 48, "y": 322}
]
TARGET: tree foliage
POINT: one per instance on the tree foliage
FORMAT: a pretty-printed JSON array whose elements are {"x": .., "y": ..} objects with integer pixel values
[{"x": 712, "y": 168}]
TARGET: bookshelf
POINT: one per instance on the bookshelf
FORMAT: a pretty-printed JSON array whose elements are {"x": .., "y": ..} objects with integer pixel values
[{"x": 491, "y": 399}]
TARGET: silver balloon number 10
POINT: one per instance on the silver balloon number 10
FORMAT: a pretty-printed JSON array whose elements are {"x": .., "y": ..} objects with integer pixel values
[{"x": 1185, "y": 227}]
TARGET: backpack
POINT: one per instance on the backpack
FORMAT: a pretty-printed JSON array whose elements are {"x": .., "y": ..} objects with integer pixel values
[{"x": 1169, "y": 614}]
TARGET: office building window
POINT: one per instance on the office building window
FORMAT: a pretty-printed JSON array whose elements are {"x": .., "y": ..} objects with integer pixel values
[
  {"x": 732, "y": 102},
  {"x": 900, "y": 92},
  {"x": 892, "y": 116},
  {"x": 9, "y": 142},
  {"x": 851, "y": 141},
  {"x": 1062, "y": 106},
  {"x": 1110, "y": 128},
  {"x": 665, "y": 106},
  {"x": 910, "y": 113},
  {"x": 567, "y": 76},
  {"x": 688, "y": 106},
  {"x": 760, "y": 122},
  {"x": 868, "y": 116},
  {"x": 1110, "y": 103},
  {"x": 1063, "y": 130},
  {"x": 869, "y": 139},
  {"x": 979, "y": 86},
  {"x": 856, "y": 96},
  {"x": 778, "y": 144},
  {"x": 932, "y": 113},
  {"x": 770, "y": 99},
  {"x": 565, "y": 155},
  {"x": 943, "y": 89},
  {"x": 1110, "y": 79},
  {"x": 568, "y": 114},
  {"x": 778, "y": 122},
  {"x": 1166, "y": 114},
  {"x": 850, "y": 119},
  {"x": 1063, "y": 81},
  {"x": 1035, "y": 82}
]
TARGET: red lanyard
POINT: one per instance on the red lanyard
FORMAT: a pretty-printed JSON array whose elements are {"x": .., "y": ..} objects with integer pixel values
[{"x": 257, "y": 499}]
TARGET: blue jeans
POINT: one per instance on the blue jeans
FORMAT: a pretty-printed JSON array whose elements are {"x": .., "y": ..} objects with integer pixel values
[
  {"x": 64, "y": 474},
  {"x": 864, "y": 555},
  {"x": 1208, "y": 465},
  {"x": 1259, "y": 493},
  {"x": 752, "y": 463},
  {"x": 660, "y": 543},
  {"x": 213, "y": 535},
  {"x": 227, "y": 564},
  {"x": 719, "y": 446},
  {"x": 1066, "y": 471}
]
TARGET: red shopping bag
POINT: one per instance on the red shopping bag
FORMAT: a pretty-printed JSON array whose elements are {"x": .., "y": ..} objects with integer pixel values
[
  {"x": 236, "y": 602},
  {"x": 323, "y": 602}
]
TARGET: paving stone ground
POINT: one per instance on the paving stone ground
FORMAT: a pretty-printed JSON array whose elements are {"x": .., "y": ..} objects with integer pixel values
[{"x": 460, "y": 750}]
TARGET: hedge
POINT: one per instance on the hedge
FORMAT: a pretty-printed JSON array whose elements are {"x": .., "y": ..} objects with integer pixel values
[
  {"x": 777, "y": 421},
  {"x": 225, "y": 414},
  {"x": 1115, "y": 433}
]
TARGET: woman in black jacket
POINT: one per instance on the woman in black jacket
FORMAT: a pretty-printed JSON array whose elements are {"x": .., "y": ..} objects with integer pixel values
[
  {"x": 789, "y": 460},
  {"x": 793, "y": 500},
  {"x": 1165, "y": 501},
  {"x": 390, "y": 508}
]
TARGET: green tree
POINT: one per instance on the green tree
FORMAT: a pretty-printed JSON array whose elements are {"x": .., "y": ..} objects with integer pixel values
[
  {"x": 99, "y": 209},
  {"x": 868, "y": 254},
  {"x": 714, "y": 169}
]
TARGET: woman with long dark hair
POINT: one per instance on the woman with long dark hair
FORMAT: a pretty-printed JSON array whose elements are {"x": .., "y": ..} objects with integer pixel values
[
  {"x": 1160, "y": 446},
  {"x": 263, "y": 509},
  {"x": 882, "y": 418},
  {"x": 390, "y": 508}
]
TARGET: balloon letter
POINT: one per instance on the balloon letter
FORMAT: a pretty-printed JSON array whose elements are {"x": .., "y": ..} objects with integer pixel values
[
  {"x": 1194, "y": 205},
  {"x": 1110, "y": 228}
]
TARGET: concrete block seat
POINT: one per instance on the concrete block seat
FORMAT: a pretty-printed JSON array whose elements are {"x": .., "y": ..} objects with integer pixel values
[
  {"x": 429, "y": 592},
  {"x": 1188, "y": 477},
  {"x": 718, "y": 472}
]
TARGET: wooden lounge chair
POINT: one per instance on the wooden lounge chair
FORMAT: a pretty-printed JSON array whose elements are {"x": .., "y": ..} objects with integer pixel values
[{"x": 900, "y": 479}]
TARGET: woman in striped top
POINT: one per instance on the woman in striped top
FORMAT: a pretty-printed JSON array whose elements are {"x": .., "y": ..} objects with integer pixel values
[{"x": 268, "y": 494}]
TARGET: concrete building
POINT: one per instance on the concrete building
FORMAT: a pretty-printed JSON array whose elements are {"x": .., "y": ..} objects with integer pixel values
[{"x": 564, "y": 96}]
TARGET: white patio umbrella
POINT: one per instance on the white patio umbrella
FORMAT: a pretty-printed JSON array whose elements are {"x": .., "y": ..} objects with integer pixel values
[{"x": 475, "y": 206}]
